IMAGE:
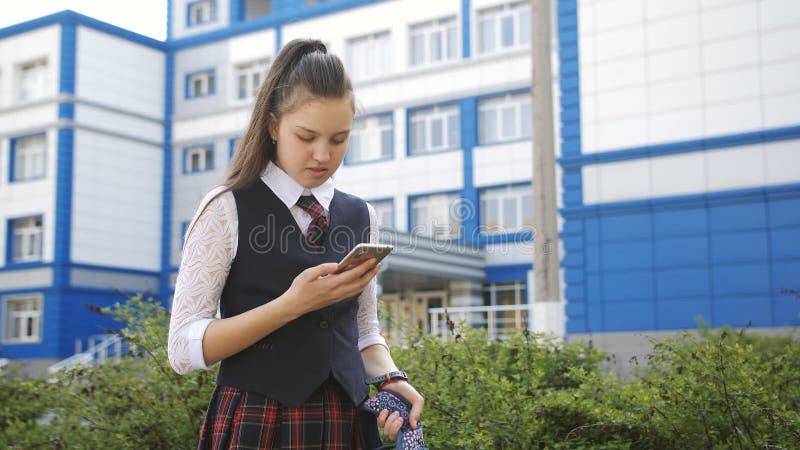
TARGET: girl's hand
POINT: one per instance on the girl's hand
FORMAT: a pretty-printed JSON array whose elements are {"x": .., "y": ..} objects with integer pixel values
[
  {"x": 391, "y": 423},
  {"x": 318, "y": 287}
]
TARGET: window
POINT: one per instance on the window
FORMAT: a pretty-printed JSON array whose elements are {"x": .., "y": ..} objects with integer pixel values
[
  {"x": 200, "y": 12},
  {"x": 506, "y": 209},
  {"x": 198, "y": 159},
  {"x": 435, "y": 128},
  {"x": 371, "y": 139},
  {"x": 248, "y": 78},
  {"x": 504, "y": 118},
  {"x": 200, "y": 84},
  {"x": 184, "y": 227},
  {"x": 504, "y": 27},
  {"x": 234, "y": 145},
  {"x": 26, "y": 239},
  {"x": 369, "y": 56},
  {"x": 510, "y": 293},
  {"x": 253, "y": 9},
  {"x": 28, "y": 157},
  {"x": 22, "y": 319},
  {"x": 436, "y": 216},
  {"x": 434, "y": 41},
  {"x": 31, "y": 80},
  {"x": 384, "y": 210}
]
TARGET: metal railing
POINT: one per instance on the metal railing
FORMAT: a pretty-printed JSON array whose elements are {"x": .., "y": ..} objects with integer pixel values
[
  {"x": 499, "y": 321},
  {"x": 99, "y": 349}
]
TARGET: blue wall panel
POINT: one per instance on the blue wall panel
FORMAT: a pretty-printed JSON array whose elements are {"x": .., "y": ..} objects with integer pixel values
[
  {"x": 681, "y": 251},
  {"x": 630, "y": 316},
  {"x": 628, "y": 285},
  {"x": 785, "y": 243},
  {"x": 748, "y": 246},
  {"x": 743, "y": 311},
  {"x": 683, "y": 283},
  {"x": 679, "y": 222},
  {"x": 741, "y": 279},
  {"x": 678, "y": 313}
]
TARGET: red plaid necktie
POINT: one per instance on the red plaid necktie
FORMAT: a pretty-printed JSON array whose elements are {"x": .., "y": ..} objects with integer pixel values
[{"x": 319, "y": 224}]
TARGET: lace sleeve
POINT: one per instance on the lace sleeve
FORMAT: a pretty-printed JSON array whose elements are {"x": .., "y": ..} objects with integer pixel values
[
  {"x": 369, "y": 329},
  {"x": 208, "y": 251}
]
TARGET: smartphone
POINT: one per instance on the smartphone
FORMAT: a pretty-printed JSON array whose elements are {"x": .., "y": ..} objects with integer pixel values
[{"x": 363, "y": 252}]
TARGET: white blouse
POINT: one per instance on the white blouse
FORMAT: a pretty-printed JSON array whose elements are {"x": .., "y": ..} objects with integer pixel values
[{"x": 208, "y": 251}]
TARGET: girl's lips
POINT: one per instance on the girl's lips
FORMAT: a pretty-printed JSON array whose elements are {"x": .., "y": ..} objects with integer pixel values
[{"x": 317, "y": 172}]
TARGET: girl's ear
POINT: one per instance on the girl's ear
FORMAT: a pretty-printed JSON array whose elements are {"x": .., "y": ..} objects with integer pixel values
[{"x": 273, "y": 127}]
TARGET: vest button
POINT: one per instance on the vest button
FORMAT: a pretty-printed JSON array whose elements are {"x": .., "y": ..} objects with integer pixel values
[{"x": 323, "y": 324}]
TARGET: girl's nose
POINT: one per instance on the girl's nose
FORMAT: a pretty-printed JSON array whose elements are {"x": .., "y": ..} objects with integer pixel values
[{"x": 322, "y": 153}]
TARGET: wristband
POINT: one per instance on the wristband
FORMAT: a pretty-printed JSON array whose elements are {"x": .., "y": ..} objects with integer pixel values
[{"x": 387, "y": 377}]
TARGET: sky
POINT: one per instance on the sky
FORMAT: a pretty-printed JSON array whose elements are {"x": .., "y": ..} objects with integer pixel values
[{"x": 147, "y": 17}]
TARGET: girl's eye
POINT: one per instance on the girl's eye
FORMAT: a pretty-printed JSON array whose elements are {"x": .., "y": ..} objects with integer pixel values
[
  {"x": 305, "y": 139},
  {"x": 339, "y": 142}
]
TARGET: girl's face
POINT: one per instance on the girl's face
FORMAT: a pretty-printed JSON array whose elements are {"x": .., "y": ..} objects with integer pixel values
[{"x": 312, "y": 140}]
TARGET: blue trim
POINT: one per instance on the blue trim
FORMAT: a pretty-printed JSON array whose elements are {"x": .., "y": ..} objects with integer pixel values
[
  {"x": 212, "y": 18},
  {"x": 231, "y": 147},
  {"x": 673, "y": 148},
  {"x": 390, "y": 157},
  {"x": 468, "y": 114},
  {"x": 236, "y": 12},
  {"x": 394, "y": 211},
  {"x": 169, "y": 20},
  {"x": 184, "y": 227},
  {"x": 508, "y": 272},
  {"x": 708, "y": 199},
  {"x": 278, "y": 38},
  {"x": 166, "y": 188},
  {"x": 569, "y": 78},
  {"x": 12, "y": 158},
  {"x": 411, "y": 111},
  {"x": 283, "y": 12},
  {"x": 212, "y": 88},
  {"x": 466, "y": 30},
  {"x": 67, "y": 16},
  {"x": 207, "y": 169},
  {"x": 10, "y": 263}
]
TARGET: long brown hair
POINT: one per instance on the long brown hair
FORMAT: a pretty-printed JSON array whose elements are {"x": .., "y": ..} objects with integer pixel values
[{"x": 302, "y": 69}]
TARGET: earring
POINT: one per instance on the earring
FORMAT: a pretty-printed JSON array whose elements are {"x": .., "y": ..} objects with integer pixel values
[{"x": 274, "y": 142}]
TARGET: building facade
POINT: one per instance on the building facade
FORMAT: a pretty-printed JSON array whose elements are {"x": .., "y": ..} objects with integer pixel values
[{"x": 678, "y": 156}]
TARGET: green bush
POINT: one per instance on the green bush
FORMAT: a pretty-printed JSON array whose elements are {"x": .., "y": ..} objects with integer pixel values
[{"x": 712, "y": 389}]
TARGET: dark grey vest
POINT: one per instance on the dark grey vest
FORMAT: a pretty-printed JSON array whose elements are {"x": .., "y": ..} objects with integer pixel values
[{"x": 290, "y": 363}]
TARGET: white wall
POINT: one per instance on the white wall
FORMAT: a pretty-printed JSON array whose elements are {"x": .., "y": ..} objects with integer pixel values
[
  {"x": 693, "y": 173},
  {"x": 22, "y": 48},
  {"x": 119, "y": 73},
  {"x": 137, "y": 127},
  {"x": 116, "y": 215},
  {"x": 502, "y": 163},
  {"x": 654, "y": 72}
]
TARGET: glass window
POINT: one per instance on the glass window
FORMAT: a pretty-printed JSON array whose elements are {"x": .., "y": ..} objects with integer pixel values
[
  {"x": 434, "y": 41},
  {"x": 248, "y": 78},
  {"x": 436, "y": 216},
  {"x": 32, "y": 80},
  {"x": 371, "y": 139},
  {"x": 504, "y": 118},
  {"x": 504, "y": 27},
  {"x": 199, "y": 159},
  {"x": 254, "y": 9},
  {"x": 369, "y": 56},
  {"x": 506, "y": 209},
  {"x": 201, "y": 12},
  {"x": 26, "y": 239},
  {"x": 435, "y": 128},
  {"x": 200, "y": 84},
  {"x": 28, "y": 157},
  {"x": 511, "y": 293},
  {"x": 384, "y": 210},
  {"x": 22, "y": 319}
]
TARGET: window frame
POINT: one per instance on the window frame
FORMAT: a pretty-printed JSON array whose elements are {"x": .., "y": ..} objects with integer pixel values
[
  {"x": 379, "y": 130},
  {"x": 20, "y": 72},
  {"x": 498, "y": 13},
  {"x": 38, "y": 316},
  {"x": 187, "y": 151},
  {"x": 411, "y": 216},
  {"x": 434, "y": 110},
  {"x": 426, "y": 29},
  {"x": 212, "y": 14},
  {"x": 232, "y": 144},
  {"x": 11, "y": 235},
  {"x": 258, "y": 67},
  {"x": 518, "y": 191},
  {"x": 389, "y": 200},
  {"x": 354, "y": 67},
  {"x": 210, "y": 86},
  {"x": 12, "y": 160},
  {"x": 503, "y": 100}
]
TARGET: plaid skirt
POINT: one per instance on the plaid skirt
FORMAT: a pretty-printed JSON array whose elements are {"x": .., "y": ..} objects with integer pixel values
[{"x": 238, "y": 419}]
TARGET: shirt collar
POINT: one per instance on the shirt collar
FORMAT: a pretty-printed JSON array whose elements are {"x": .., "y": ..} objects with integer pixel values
[{"x": 289, "y": 190}]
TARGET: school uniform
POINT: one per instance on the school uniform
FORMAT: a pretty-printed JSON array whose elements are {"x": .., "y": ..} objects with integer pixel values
[{"x": 298, "y": 387}]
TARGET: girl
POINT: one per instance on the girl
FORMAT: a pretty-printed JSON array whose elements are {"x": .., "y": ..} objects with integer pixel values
[{"x": 296, "y": 341}]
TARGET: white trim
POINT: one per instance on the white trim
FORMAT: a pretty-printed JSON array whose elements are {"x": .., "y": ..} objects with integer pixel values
[{"x": 38, "y": 317}]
